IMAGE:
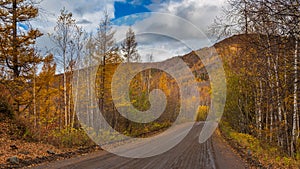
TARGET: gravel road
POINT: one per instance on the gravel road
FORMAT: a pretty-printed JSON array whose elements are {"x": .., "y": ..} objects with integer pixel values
[{"x": 188, "y": 154}]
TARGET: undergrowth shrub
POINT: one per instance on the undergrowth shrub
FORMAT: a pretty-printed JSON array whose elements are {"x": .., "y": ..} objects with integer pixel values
[{"x": 69, "y": 137}]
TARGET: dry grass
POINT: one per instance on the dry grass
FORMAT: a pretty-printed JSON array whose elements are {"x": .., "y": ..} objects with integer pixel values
[
  {"x": 25, "y": 150},
  {"x": 268, "y": 155}
]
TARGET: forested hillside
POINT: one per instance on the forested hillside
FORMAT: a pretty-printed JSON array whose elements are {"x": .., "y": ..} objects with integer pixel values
[
  {"x": 262, "y": 67},
  {"x": 260, "y": 89}
]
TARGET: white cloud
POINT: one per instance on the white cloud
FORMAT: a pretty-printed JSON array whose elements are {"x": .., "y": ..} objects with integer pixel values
[
  {"x": 90, "y": 12},
  {"x": 190, "y": 14},
  {"x": 170, "y": 33},
  {"x": 200, "y": 12}
]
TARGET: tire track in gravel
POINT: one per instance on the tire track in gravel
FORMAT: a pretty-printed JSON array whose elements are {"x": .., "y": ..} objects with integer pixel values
[{"x": 188, "y": 154}]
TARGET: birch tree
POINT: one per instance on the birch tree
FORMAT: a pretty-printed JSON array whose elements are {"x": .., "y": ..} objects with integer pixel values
[
  {"x": 274, "y": 49},
  {"x": 79, "y": 43},
  {"x": 63, "y": 40}
]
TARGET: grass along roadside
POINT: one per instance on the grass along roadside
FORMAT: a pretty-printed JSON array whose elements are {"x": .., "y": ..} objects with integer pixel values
[
  {"x": 58, "y": 145},
  {"x": 257, "y": 153},
  {"x": 19, "y": 150}
]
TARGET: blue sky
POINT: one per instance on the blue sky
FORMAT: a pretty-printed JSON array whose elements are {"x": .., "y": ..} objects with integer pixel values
[
  {"x": 128, "y": 8},
  {"x": 184, "y": 16}
]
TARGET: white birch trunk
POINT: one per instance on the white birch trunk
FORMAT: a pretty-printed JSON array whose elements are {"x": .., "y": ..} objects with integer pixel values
[
  {"x": 64, "y": 48},
  {"x": 278, "y": 98},
  {"x": 260, "y": 107},
  {"x": 75, "y": 99},
  {"x": 272, "y": 91},
  {"x": 65, "y": 99},
  {"x": 259, "y": 110},
  {"x": 295, "y": 103},
  {"x": 69, "y": 105}
]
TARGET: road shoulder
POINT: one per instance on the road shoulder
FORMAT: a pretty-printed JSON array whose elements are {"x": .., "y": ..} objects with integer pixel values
[{"x": 225, "y": 155}]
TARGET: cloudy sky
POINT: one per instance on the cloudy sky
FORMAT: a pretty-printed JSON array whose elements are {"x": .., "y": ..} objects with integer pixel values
[{"x": 164, "y": 28}]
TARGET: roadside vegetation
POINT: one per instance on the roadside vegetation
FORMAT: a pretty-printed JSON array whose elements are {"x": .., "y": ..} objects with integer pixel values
[
  {"x": 257, "y": 152},
  {"x": 261, "y": 60}
]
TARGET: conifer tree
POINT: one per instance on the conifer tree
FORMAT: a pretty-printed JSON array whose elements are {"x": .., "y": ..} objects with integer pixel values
[
  {"x": 17, "y": 53},
  {"x": 106, "y": 51},
  {"x": 128, "y": 47}
]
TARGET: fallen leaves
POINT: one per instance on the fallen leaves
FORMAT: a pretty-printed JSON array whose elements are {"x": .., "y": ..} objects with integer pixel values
[{"x": 23, "y": 150}]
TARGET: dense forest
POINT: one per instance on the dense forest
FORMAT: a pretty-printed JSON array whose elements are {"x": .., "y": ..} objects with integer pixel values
[{"x": 262, "y": 69}]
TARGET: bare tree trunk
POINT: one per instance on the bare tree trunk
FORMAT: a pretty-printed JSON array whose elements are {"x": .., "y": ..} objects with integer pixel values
[
  {"x": 284, "y": 113},
  {"x": 34, "y": 97},
  {"x": 103, "y": 83},
  {"x": 295, "y": 103},
  {"x": 269, "y": 121},
  {"x": 88, "y": 96},
  {"x": 279, "y": 106},
  {"x": 259, "y": 108},
  {"x": 75, "y": 100},
  {"x": 14, "y": 42},
  {"x": 60, "y": 107},
  {"x": 149, "y": 81},
  {"x": 65, "y": 82},
  {"x": 270, "y": 81},
  {"x": 69, "y": 104},
  {"x": 38, "y": 119},
  {"x": 286, "y": 132}
]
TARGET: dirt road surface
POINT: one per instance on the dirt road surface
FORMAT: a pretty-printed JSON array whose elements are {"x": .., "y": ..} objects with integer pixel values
[{"x": 188, "y": 154}]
